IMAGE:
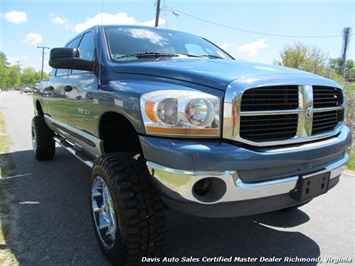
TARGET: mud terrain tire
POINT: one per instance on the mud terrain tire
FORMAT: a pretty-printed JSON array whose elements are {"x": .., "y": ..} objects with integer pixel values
[
  {"x": 42, "y": 139},
  {"x": 127, "y": 213}
]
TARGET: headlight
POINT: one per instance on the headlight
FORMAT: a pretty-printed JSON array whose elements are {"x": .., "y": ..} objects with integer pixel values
[{"x": 181, "y": 113}]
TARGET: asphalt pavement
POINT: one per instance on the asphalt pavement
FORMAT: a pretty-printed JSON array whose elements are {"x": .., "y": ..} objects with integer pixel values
[{"x": 50, "y": 216}]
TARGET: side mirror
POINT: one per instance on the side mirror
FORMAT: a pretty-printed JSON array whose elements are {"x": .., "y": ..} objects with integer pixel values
[{"x": 69, "y": 58}]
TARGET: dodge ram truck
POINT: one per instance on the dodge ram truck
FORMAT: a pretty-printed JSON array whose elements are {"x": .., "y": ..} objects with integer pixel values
[{"x": 168, "y": 119}]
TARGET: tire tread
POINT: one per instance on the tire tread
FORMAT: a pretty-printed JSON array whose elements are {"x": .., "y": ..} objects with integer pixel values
[
  {"x": 44, "y": 138},
  {"x": 141, "y": 208}
]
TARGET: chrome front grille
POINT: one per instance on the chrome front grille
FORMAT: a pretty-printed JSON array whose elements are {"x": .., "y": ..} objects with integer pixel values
[{"x": 283, "y": 114}]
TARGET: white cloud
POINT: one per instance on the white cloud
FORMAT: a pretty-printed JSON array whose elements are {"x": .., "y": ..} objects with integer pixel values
[
  {"x": 151, "y": 22},
  {"x": 14, "y": 59},
  {"x": 225, "y": 45},
  {"x": 33, "y": 38},
  {"x": 105, "y": 18},
  {"x": 59, "y": 20},
  {"x": 252, "y": 49},
  {"x": 15, "y": 16}
]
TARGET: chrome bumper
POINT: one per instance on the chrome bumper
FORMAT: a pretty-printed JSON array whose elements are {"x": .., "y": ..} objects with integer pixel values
[{"x": 225, "y": 186}]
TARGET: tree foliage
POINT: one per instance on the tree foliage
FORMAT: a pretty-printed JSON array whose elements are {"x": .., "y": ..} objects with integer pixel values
[
  {"x": 349, "y": 70},
  {"x": 4, "y": 70},
  {"x": 310, "y": 59},
  {"x": 13, "y": 77}
]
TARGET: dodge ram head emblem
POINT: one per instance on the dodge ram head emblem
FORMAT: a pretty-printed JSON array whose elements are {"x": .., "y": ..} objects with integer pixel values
[{"x": 309, "y": 111}]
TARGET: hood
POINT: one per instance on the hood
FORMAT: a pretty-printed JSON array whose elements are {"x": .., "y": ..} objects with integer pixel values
[{"x": 213, "y": 73}]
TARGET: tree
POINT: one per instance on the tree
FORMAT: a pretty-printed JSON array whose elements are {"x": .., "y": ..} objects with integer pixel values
[
  {"x": 11, "y": 77},
  {"x": 30, "y": 76},
  {"x": 4, "y": 71},
  {"x": 349, "y": 68},
  {"x": 14, "y": 77},
  {"x": 310, "y": 59}
]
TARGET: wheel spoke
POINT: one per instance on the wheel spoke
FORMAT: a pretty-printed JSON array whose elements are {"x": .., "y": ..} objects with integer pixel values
[
  {"x": 103, "y": 222},
  {"x": 96, "y": 193},
  {"x": 95, "y": 207},
  {"x": 103, "y": 212}
]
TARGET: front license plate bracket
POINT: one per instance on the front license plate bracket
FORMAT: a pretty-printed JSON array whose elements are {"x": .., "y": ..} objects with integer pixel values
[{"x": 310, "y": 186}]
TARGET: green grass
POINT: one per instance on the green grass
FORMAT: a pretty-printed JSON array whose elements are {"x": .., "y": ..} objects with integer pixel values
[
  {"x": 351, "y": 162},
  {"x": 7, "y": 168}
]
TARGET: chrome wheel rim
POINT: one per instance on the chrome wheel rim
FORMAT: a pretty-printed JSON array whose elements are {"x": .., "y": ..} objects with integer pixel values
[{"x": 103, "y": 212}]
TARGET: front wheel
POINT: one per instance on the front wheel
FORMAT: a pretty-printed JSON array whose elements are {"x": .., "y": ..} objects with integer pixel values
[{"x": 127, "y": 213}]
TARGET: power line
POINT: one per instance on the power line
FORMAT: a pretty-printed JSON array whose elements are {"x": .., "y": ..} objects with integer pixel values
[{"x": 253, "y": 32}]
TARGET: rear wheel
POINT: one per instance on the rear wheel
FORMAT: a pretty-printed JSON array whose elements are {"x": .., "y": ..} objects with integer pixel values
[
  {"x": 43, "y": 143},
  {"x": 127, "y": 213}
]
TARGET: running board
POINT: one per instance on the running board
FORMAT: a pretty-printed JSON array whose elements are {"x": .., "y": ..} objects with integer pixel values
[{"x": 82, "y": 156}]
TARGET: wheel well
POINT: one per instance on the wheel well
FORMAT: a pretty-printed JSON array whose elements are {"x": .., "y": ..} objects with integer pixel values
[
  {"x": 39, "y": 108},
  {"x": 118, "y": 134}
]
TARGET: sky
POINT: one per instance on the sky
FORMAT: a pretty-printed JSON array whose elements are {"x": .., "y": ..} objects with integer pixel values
[{"x": 254, "y": 30}]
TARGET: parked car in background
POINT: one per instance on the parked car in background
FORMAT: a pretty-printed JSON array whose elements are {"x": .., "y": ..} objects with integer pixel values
[{"x": 27, "y": 90}]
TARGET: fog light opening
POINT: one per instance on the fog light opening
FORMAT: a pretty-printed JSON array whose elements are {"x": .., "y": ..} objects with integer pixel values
[
  {"x": 202, "y": 187},
  {"x": 209, "y": 189}
]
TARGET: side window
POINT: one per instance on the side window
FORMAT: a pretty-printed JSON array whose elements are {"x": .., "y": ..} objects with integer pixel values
[
  {"x": 73, "y": 44},
  {"x": 61, "y": 72},
  {"x": 87, "y": 46},
  {"x": 86, "y": 49}
]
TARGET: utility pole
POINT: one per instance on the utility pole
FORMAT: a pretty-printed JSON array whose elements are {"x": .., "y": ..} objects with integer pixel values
[
  {"x": 157, "y": 13},
  {"x": 346, "y": 34},
  {"x": 42, "y": 47},
  {"x": 19, "y": 72}
]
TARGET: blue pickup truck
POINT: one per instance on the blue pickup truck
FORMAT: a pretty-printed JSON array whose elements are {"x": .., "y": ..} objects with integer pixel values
[{"x": 168, "y": 119}]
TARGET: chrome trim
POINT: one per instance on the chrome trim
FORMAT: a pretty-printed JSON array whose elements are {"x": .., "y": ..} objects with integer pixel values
[
  {"x": 241, "y": 184},
  {"x": 179, "y": 183},
  {"x": 276, "y": 112},
  {"x": 73, "y": 150},
  {"x": 232, "y": 109},
  {"x": 88, "y": 142},
  {"x": 304, "y": 129},
  {"x": 338, "y": 167}
]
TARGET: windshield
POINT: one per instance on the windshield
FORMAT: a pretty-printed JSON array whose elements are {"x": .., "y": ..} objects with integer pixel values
[{"x": 127, "y": 43}]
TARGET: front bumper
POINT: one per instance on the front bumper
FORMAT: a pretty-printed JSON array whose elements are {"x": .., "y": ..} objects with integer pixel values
[{"x": 221, "y": 179}]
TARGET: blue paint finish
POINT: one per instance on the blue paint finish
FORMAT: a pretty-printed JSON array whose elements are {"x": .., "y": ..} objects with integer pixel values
[
  {"x": 212, "y": 73},
  {"x": 207, "y": 155}
]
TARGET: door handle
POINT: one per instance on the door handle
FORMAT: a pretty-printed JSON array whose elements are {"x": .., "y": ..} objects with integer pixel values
[{"x": 68, "y": 88}]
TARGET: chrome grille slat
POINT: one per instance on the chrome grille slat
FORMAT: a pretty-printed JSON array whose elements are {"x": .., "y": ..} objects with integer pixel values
[
  {"x": 327, "y": 96},
  {"x": 263, "y": 128},
  {"x": 270, "y": 98},
  {"x": 326, "y": 121}
]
